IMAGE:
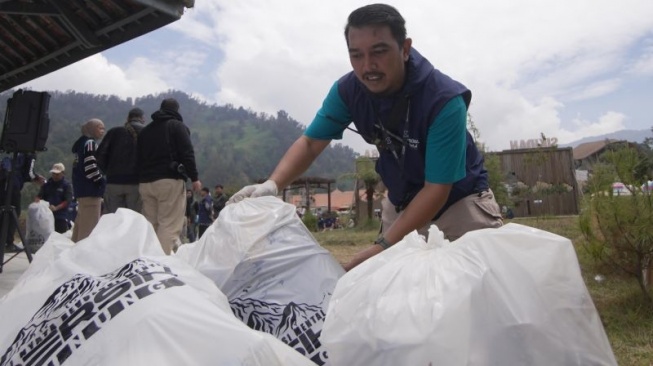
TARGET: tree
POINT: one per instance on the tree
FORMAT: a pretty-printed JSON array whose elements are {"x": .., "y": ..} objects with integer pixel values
[
  {"x": 492, "y": 165},
  {"x": 617, "y": 228},
  {"x": 367, "y": 174},
  {"x": 496, "y": 180}
]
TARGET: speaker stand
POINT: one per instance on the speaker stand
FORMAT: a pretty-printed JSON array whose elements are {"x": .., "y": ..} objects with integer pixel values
[{"x": 8, "y": 212}]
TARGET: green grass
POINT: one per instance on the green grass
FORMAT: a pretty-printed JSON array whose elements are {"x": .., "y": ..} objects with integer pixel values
[{"x": 626, "y": 316}]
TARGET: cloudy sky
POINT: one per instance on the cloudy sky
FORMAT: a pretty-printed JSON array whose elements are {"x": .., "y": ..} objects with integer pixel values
[{"x": 568, "y": 69}]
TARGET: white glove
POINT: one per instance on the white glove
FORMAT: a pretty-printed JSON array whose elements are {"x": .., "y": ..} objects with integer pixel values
[{"x": 267, "y": 188}]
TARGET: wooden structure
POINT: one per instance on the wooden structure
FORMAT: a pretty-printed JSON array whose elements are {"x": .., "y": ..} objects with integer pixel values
[
  {"x": 541, "y": 181},
  {"x": 309, "y": 183},
  {"x": 40, "y": 36}
]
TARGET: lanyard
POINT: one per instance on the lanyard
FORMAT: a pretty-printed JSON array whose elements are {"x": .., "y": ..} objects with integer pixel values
[{"x": 387, "y": 136}]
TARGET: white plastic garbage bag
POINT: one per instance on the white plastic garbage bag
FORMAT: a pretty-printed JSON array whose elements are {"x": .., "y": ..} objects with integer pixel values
[
  {"x": 39, "y": 224},
  {"x": 277, "y": 277},
  {"x": 508, "y": 296},
  {"x": 114, "y": 298}
]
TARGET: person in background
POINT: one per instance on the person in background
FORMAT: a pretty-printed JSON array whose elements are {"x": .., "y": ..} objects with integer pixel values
[
  {"x": 219, "y": 200},
  {"x": 190, "y": 216},
  {"x": 23, "y": 166},
  {"x": 166, "y": 158},
  {"x": 417, "y": 118},
  {"x": 58, "y": 192},
  {"x": 205, "y": 211},
  {"x": 88, "y": 182},
  {"x": 116, "y": 157}
]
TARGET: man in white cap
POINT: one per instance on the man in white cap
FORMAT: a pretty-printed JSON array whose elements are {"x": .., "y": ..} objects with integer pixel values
[{"x": 58, "y": 192}]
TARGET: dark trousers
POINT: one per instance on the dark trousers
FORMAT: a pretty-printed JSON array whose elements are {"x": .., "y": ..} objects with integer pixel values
[
  {"x": 60, "y": 225},
  {"x": 201, "y": 229},
  {"x": 190, "y": 231},
  {"x": 11, "y": 228}
]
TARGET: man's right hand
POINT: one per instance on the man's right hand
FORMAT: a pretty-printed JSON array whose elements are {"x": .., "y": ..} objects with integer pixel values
[{"x": 268, "y": 188}]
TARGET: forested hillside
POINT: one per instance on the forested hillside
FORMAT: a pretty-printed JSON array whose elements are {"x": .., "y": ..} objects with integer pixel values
[{"x": 233, "y": 146}]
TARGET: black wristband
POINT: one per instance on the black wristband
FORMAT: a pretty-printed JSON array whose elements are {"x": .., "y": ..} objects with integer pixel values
[{"x": 382, "y": 242}]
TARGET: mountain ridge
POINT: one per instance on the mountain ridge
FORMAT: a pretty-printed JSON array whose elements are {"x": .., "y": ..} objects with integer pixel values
[{"x": 627, "y": 135}]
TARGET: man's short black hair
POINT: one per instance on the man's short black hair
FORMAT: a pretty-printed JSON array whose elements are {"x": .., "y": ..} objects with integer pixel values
[
  {"x": 135, "y": 113},
  {"x": 219, "y": 186},
  {"x": 170, "y": 104},
  {"x": 380, "y": 15},
  {"x": 205, "y": 189}
]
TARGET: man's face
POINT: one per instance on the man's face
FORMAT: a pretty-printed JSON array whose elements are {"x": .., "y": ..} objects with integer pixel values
[
  {"x": 377, "y": 59},
  {"x": 218, "y": 191},
  {"x": 57, "y": 176}
]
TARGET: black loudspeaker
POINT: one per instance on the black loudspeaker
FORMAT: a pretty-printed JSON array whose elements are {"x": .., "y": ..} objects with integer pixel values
[{"x": 27, "y": 122}]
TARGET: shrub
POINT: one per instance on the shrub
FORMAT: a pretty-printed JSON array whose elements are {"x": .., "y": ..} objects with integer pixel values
[
  {"x": 310, "y": 221},
  {"x": 618, "y": 228}
]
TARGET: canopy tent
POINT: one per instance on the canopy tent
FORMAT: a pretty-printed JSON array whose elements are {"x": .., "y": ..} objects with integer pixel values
[{"x": 40, "y": 36}]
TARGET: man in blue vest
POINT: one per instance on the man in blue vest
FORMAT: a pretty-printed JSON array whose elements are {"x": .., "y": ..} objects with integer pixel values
[
  {"x": 205, "y": 211},
  {"x": 417, "y": 118},
  {"x": 59, "y": 194}
]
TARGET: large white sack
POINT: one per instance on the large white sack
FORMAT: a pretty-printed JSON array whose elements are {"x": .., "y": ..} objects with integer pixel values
[
  {"x": 508, "y": 296},
  {"x": 115, "y": 298},
  {"x": 277, "y": 278},
  {"x": 39, "y": 224}
]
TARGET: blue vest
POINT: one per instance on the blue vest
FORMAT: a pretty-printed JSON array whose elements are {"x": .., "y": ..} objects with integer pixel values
[
  {"x": 428, "y": 91},
  {"x": 204, "y": 212},
  {"x": 55, "y": 193}
]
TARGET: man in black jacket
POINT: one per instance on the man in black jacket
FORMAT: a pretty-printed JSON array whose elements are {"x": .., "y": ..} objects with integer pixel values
[
  {"x": 166, "y": 159},
  {"x": 116, "y": 157}
]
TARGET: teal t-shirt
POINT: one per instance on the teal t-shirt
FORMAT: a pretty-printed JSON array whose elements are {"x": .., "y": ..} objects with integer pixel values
[{"x": 446, "y": 141}]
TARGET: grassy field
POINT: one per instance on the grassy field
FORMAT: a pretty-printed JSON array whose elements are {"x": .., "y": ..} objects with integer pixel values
[{"x": 627, "y": 319}]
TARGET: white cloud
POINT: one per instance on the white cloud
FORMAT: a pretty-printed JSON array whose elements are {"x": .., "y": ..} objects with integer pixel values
[
  {"x": 597, "y": 89},
  {"x": 198, "y": 22},
  {"x": 526, "y": 62},
  {"x": 643, "y": 66},
  {"x": 96, "y": 75},
  {"x": 608, "y": 122},
  {"x": 172, "y": 69}
]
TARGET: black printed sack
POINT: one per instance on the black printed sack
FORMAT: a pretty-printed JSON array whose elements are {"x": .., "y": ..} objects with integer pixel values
[
  {"x": 114, "y": 298},
  {"x": 507, "y": 296},
  {"x": 277, "y": 278}
]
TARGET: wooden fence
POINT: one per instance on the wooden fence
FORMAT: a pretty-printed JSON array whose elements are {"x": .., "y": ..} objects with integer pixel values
[{"x": 540, "y": 181}]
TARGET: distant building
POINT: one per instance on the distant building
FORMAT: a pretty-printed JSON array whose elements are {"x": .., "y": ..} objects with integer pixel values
[
  {"x": 587, "y": 154},
  {"x": 340, "y": 201}
]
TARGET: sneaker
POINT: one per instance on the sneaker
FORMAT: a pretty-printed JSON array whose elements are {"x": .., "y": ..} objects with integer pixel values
[{"x": 12, "y": 248}]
